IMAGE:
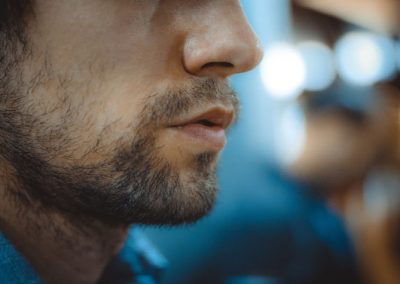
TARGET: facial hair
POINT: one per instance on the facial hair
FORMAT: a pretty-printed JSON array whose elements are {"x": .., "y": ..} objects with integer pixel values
[{"x": 137, "y": 185}]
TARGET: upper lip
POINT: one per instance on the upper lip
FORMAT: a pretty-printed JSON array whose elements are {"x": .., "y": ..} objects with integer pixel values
[{"x": 216, "y": 116}]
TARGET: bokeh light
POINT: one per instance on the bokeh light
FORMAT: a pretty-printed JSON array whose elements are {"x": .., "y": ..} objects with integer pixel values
[
  {"x": 398, "y": 54},
  {"x": 320, "y": 65},
  {"x": 283, "y": 71},
  {"x": 290, "y": 138},
  {"x": 381, "y": 193},
  {"x": 365, "y": 58}
]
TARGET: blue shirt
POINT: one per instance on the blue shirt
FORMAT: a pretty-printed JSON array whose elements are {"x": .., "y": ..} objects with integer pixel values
[{"x": 139, "y": 262}]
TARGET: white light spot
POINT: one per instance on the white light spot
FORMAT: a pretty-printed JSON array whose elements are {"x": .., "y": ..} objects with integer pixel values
[
  {"x": 291, "y": 135},
  {"x": 283, "y": 71},
  {"x": 365, "y": 58}
]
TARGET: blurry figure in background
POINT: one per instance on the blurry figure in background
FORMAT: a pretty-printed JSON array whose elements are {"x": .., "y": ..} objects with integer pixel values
[{"x": 353, "y": 156}]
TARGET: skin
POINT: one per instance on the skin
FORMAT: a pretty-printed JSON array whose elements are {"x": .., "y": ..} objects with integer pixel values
[{"x": 87, "y": 147}]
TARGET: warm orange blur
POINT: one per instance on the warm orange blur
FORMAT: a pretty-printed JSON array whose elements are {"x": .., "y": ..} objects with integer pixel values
[{"x": 379, "y": 15}]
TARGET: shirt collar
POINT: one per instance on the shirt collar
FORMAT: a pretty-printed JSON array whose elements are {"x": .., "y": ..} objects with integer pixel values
[{"x": 14, "y": 268}]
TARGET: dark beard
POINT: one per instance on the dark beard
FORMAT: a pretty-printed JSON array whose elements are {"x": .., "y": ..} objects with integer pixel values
[
  {"x": 136, "y": 186},
  {"x": 141, "y": 189}
]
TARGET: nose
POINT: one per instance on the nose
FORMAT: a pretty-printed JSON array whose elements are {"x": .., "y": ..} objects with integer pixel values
[{"x": 223, "y": 45}]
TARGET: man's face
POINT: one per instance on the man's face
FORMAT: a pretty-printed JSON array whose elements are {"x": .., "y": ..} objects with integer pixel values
[{"x": 116, "y": 109}]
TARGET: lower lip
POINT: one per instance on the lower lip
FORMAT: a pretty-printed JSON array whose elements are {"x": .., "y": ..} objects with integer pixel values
[{"x": 212, "y": 137}]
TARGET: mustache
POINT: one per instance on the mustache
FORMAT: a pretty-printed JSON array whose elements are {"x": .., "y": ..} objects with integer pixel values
[{"x": 161, "y": 108}]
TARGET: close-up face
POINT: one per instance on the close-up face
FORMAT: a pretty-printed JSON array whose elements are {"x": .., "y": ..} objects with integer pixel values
[{"x": 117, "y": 109}]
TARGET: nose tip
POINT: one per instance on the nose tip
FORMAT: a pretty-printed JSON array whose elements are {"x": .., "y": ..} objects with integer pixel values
[
  {"x": 222, "y": 52},
  {"x": 253, "y": 56}
]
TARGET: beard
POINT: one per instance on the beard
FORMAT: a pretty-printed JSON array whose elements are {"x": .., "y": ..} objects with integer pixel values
[{"x": 137, "y": 185}]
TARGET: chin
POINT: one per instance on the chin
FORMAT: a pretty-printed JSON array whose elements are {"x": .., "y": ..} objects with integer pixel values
[{"x": 184, "y": 204}]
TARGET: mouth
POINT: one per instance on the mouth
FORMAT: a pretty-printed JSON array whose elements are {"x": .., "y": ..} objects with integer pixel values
[
  {"x": 214, "y": 117},
  {"x": 206, "y": 129}
]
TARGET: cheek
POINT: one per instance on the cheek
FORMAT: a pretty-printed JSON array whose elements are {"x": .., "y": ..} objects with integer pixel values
[
  {"x": 83, "y": 113},
  {"x": 84, "y": 124}
]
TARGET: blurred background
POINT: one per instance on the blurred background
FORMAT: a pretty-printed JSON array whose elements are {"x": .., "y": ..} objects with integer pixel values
[{"x": 309, "y": 179}]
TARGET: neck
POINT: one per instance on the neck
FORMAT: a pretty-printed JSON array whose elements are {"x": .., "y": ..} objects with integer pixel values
[{"x": 61, "y": 248}]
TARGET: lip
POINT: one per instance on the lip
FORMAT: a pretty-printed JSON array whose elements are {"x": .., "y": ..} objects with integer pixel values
[
  {"x": 216, "y": 117},
  {"x": 206, "y": 129}
]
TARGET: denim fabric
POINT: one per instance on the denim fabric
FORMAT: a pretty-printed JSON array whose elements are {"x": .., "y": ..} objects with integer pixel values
[
  {"x": 14, "y": 269},
  {"x": 139, "y": 262}
]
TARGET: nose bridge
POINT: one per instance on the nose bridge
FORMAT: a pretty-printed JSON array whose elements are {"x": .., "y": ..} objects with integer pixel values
[{"x": 222, "y": 44}]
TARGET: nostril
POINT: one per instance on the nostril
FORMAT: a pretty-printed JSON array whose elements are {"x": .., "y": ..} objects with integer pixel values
[{"x": 218, "y": 64}]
